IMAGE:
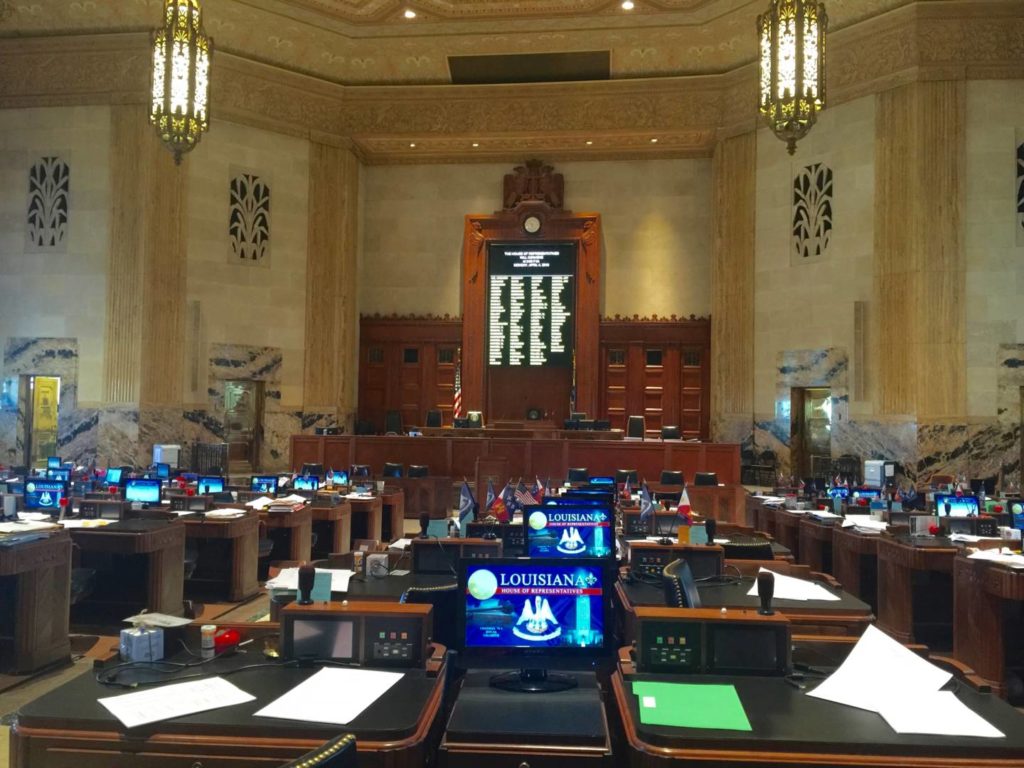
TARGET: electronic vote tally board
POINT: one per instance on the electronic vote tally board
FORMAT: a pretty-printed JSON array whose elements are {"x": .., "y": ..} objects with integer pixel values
[{"x": 530, "y": 303}]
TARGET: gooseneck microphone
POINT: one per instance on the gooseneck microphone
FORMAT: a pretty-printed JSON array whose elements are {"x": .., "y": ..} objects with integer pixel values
[
  {"x": 710, "y": 526},
  {"x": 424, "y": 525},
  {"x": 307, "y": 577},
  {"x": 765, "y": 591}
]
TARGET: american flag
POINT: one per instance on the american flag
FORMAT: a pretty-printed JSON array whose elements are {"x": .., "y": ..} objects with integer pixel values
[
  {"x": 457, "y": 396},
  {"x": 524, "y": 497}
]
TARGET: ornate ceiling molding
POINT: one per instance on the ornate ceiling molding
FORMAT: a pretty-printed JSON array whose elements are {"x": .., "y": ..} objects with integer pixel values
[{"x": 975, "y": 39}]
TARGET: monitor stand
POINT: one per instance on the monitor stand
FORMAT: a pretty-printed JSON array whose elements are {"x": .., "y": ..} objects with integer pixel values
[{"x": 533, "y": 681}]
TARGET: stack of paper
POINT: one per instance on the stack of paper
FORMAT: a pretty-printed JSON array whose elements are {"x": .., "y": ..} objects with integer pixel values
[
  {"x": 99, "y": 523},
  {"x": 288, "y": 579},
  {"x": 824, "y": 514},
  {"x": 37, "y": 517},
  {"x": 1002, "y": 555},
  {"x": 865, "y": 523},
  {"x": 26, "y": 527},
  {"x": 792, "y": 588},
  {"x": 967, "y": 538},
  {"x": 336, "y": 696},
  {"x": 285, "y": 506},
  {"x": 260, "y": 503},
  {"x": 772, "y": 500},
  {"x": 225, "y": 513},
  {"x": 177, "y": 700},
  {"x": 882, "y": 676}
]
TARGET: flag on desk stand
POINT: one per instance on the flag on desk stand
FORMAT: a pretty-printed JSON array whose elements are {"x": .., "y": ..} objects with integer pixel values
[
  {"x": 457, "y": 395},
  {"x": 491, "y": 496},
  {"x": 683, "y": 513},
  {"x": 523, "y": 497},
  {"x": 512, "y": 504},
  {"x": 467, "y": 504},
  {"x": 627, "y": 492},
  {"x": 647, "y": 504},
  {"x": 498, "y": 507},
  {"x": 538, "y": 491}
]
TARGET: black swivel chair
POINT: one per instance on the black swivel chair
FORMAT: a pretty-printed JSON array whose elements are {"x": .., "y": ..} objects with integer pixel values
[
  {"x": 636, "y": 427},
  {"x": 312, "y": 469},
  {"x": 339, "y": 752},
  {"x": 445, "y": 599},
  {"x": 705, "y": 478},
  {"x": 392, "y": 469},
  {"x": 418, "y": 470},
  {"x": 433, "y": 418},
  {"x": 671, "y": 477},
  {"x": 360, "y": 470},
  {"x": 393, "y": 423},
  {"x": 746, "y": 547},
  {"x": 679, "y": 585},
  {"x": 670, "y": 433},
  {"x": 578, "y": 475},
  {"x": 622, "y": 475}
]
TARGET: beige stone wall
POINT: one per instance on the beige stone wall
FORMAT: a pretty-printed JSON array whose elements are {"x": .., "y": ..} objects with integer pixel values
[
  {"x": 259, "y": 306},
  {"x": 60, "y": 294},
  {"x": 655, "y": 215}
]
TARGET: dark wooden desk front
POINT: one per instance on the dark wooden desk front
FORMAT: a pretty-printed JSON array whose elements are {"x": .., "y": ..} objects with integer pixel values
[
  {"x": 38, "y": 574},
  {"x": 296, "y": 530},
  {"x": 855, "y": 563},
  {"x": 816, "y": 544},
  {"x": 333, "y": 526},
  {"x": 432, "y": 495},
  {"x": 241, "y": 537},
  {"x": 910, "y": 609}
]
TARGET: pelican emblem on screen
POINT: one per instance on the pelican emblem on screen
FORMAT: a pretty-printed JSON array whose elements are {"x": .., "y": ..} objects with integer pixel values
[
  {"x": 571, "y": 542},
  {"x": 45, "y": 499},
  {"x": 540, "y": 623}
]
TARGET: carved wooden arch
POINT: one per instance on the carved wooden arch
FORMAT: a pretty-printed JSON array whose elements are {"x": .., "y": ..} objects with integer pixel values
[{"x": 505, "y": 226}]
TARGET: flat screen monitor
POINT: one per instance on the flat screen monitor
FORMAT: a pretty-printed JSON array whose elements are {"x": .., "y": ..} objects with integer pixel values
[
  {"x": 44, "y": 494},
  {"x": 64, "y": 475},
  {"x": 866, "y": 493},
  {"x": 603, "y": 480},
  {"x": 142, "y": 491},
  {"x": 209, "y": 484},
  {"x": 574, "y": 501},
  {"x": 266, "y": 484},
  {"x": 321, "y": 638},
  {"x": 310, "y": 483},
  {"x": 163, "y": 470},
  {"x": 959, "y": 506},
  {"x": 338, "y": 477},
  {"x": 1017, "y": 512},
  {"x": 570, "y": 532},
  {"x": 53, "y": 462},
  {"x": 607, "y": 496},
  {"x": 113, "y": 476},
  {"x": 839, "y": 492}
]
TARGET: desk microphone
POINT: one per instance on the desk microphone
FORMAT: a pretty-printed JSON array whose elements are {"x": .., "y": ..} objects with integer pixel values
[
  {"x": 307, "y": 577},
  {"x": 948, "y": 507},
  {"x": 765, "y": 591},
  {"x": 710, "y": 526},
  {"x": 424, "y": 525}
]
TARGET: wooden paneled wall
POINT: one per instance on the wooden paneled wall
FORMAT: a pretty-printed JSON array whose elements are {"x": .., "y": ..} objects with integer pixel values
[
  {"x": 920, "y": 268},
  {"x": 734, "y": 175},
  {"x": 145, "y": 342},
  {"x": 331, "y": 317}
]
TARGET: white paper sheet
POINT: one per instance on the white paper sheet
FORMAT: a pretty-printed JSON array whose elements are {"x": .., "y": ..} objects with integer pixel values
[
  {"x": 940, "y": 713},
  {"x": 792, "y": 588},
  {"x": 293, "y": 498},
  {"x": 288, "y": 578},
  {"x": 225, "y": 513},
  {"x": 865, "y": 523},
  {"x": 319, "y": 699},
  {"x": 36, "y": 517},
  {"x": 85, "y": 523},
  {"x": 967, "y": 538},
  {"x": 158, "y": 620},
  {"x": 260, "y": 502},
  {"x": 27, "y": 527},
  {"x": 358, "y": 496},
  {"x": 402, "y": 544},
  {"x": 1002, "y": 555},
  {"x": 879, "y": 670},
  {"x": 772, "y": 499},
  {"x": 176, "y": 700},
  {"x": 824, "y": 514}
]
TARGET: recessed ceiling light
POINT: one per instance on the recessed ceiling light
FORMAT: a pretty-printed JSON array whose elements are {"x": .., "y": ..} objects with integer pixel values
[
  {"x": 627, "y": 5},
  {"x": 412, "y": 145},
  {"x": 476, "y": 144},
  {"x": 654, "y": 141},
  {"x": 410, "y": 13},
  {"x": 589, "y": 142}
]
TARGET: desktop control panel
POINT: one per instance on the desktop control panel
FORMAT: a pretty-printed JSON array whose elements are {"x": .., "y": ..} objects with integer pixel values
[
  {"x": 394, "y": 641},
  {"x": 672, "y": 647},
  {"x": 649, "y": 558}
]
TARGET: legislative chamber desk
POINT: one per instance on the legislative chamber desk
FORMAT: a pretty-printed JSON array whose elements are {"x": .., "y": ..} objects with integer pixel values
[
  {"x": 36, "y": 577},
  {"x": 846, "y": 616},
  {"x": 129, "y": 554},
  {"x": 432, "y": 495},
  {"x": 228, "y": 554},
  {"x": 855, "y": 562},
  {"x": 791, "y": 729},
  {"x": 332, "y": 524},
  {"x": 915, "y": 589},
  {"x": 67, "y": 728},
  {"x": 528, "y": 457},
  {"x": 816, "y": 543},
  {"x": 988, "y": 618},
  {"x": 787, "y": 528}
]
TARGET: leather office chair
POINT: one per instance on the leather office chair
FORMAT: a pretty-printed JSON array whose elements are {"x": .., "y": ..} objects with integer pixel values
[
  {"x": 313, "y": 469},
  {"x": 705, "y": 478},
  {"x": 671, "y": 477},
  {"x": 670, "y": 433},
  {"x": 636, "y": 427},
  {"x": 747, "y": 547},
  {"x": 434, "y": 418},
  {"x": 418, "y": 470},
  {"x": 445, "y": 599},
  {"x": 339, "y": 752},
  {"x": 679, "y": 585},
  {"x": 578, "y": 475},
  {"x": 391, "y": 469},
  {"x": 393, "y": 423},
  {"x": 621, "y": 475},
  {"x": 360, "y": 470}
]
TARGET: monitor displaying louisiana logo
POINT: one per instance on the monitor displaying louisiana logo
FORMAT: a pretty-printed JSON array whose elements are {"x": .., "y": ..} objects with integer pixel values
[
  {"x": 526, "y": 605},
  {"x": 570, "y": 532}
]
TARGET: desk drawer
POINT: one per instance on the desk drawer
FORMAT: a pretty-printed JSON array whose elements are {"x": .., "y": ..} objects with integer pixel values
[{"x": 555, "y": 759}]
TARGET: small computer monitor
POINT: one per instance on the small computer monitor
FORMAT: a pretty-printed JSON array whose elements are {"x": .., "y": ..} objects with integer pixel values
[
  {"x": 338, "y": 477},
  {"x": 44, "y": 494},
  {"x": 839, "y": 492},
  {"x": 53, "y": 462},
  {"x": 320, "y": 638},
  {"x": 64, "y": 475},
  {"x": 310, "y": 483},
  {"x": 867, "y": 493},
  {"x": 959, "y": 506},
  {"x": 1017, "y": 514},
  {"x": 575, "y": 501},
  {"x": 142, "y": 491},
  {"x": 113, "y": 476},
  {"x": 570, "y": 532},
  {"x": 263, "y": 484},
  {"x": 603, "y": 480},
  {"x": 209, "y": 484},
  {"x": 162, "y": 470}
]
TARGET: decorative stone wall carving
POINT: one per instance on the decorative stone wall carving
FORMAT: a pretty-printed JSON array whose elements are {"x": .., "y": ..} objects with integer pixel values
[
  {"x": 249, "y": 219},
  {"x": 1020, "y": 188},
  {"x": 49, "y": 189},
  {"x": 812, "y": 212}
]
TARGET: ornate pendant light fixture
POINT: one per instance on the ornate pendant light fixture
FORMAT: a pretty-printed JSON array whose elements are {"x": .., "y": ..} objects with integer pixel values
[
  {"x": 181, "y": 77},
  {"x": 792, "y": 48}
]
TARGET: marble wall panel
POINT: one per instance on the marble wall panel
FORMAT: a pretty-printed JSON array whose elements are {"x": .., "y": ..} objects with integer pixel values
[
  {"x": 78, "y": 433},
  {"x": 118, "y": 436}
]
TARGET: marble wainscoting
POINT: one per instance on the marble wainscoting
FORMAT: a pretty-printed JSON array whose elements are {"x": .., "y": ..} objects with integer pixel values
[
  {"x": 10, "y": 440},
  {"x": 278, "y": 428},
  {"x": 733, "y": 429},
  {"x": 976, "y": 450},
  {"x": 869, "y": 438},
  {"x": 118, "y": 441},
  {"x": 78, "y": 435}
]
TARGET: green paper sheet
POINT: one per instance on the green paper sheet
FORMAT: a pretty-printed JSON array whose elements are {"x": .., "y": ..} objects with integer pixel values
[{"x": 691, "y": 706}]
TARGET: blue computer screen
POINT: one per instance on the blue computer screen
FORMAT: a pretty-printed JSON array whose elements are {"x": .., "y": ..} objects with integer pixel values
[
  {"x": 867, "y": 493},
  {"x": 163, "y": 470},
  {"x": 339, "y": 477},
  {"x": 569, "y": 532},
  {"x": 64, "y": 475},
  {"x": 210, "y": 484},
  {"x": 525, "y": 605},
  {"x": 53, "y": 462},
  {"x": 959, "y": 506},
  {"x": 142, "y": 491},
  {"x": 310, "y": 483},
  {"x": 839, "y": 492},
  {"x": 602, "y": 480},
  {"x": 263, "y": 484},
  {"x": 113, "y": 476},
  {"x": 43, "y": 494}
]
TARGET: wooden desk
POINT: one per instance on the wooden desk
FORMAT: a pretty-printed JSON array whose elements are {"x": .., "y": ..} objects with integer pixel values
[
  {"x": 915, "y": 589},
  {"x": 37, "y": 576},
  {"x": 787, "y": 529},
  {"x": 297, "y": 528},
  {"x": 393, "y": 503},
  {"x": 157, "y": 545},
  {"x": 855, "y": 563},
  {"x": 368, "y": 517},
  {"x": 228, "y": 553},
  {"x": 760, "y": 516},
  {"x": 816, "y": 544},
  {"x": 985, "y": 628},
  {"x": 724, "y": 503},
  {"x": 333, "y": 525}
]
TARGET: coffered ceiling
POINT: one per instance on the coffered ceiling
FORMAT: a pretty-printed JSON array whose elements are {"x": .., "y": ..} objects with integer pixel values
[{"x": 371, "y": 42}]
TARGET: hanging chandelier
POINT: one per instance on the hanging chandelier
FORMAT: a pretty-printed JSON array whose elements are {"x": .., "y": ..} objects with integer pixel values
[
  {"x": 792, "y": 83},
  {"x": 181, "y": 77}
]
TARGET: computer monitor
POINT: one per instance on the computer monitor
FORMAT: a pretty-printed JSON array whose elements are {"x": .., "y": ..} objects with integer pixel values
[
  {"x": 867, "y": 493},
  {"x": 142, "y": 491},
  {"x": 603, "y": 480},
  {"x": 338, "y": 477},
  {"x": 533, "y": 615},
  {"x": 263, "y": 484},
  {"x": 575, "y": 501},
  {"x": 53, "y": 462},
  {"x": 162, "y": 470},
  {"x": 44, "y": 494},
  {"x": 209, "y": 484},
  {"x": 113, "y": 476},
  {"x": 570, "y": 532},
  {"x": 310, "y": 483},
  {"x": 839, "y": 492},
  {"x": 959, "y": 506},
  {"x": 64, "y": 475},
  {"x": 607, "y": 496}
]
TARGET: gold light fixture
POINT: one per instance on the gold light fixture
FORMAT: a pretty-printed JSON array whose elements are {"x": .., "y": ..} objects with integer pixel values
[
  {"x": 792, "y": 48},
  {"x": 181, "y": 77}
]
